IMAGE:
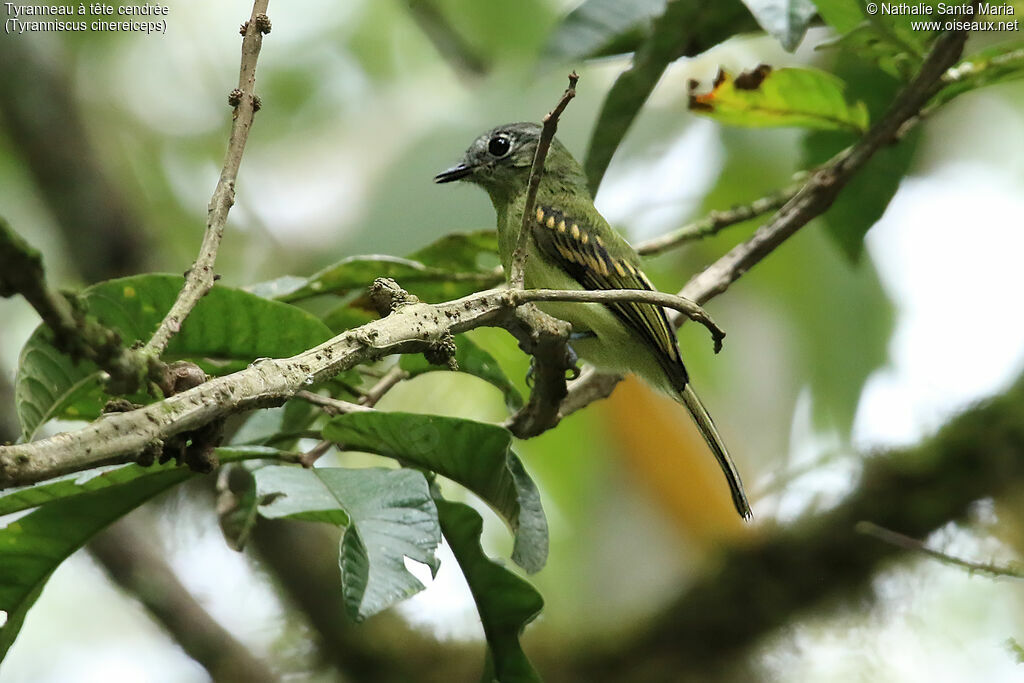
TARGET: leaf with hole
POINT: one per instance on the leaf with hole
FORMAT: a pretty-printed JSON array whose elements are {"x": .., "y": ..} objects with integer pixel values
[
  {"x": 477, "y": 455},
  {"x": 387, "y": 515}
]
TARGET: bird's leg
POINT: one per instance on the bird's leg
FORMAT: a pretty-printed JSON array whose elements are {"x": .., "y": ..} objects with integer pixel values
[{"x": 572, "y": 359}]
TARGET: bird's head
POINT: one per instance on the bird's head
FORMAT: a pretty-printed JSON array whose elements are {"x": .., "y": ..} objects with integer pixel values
[{"x": 500, "y": 160}]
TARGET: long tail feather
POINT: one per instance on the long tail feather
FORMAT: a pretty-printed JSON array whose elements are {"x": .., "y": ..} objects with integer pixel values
[{"x": 717, "y": 446}]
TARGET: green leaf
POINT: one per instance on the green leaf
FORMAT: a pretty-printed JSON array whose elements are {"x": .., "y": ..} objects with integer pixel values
[
  {"x": 997, "y": 64},
  {"x": 33, "y": 546},
  {"x": 472, "y": 360},
  {"x": 228, "y": 326},
  {"x": 277, "y": 288},
  {"x": 387, "y": 515},
  {"x": 685, "y": 28},
  {"x": 842, "y": 15},
  {"x": 865, "y": 198},
  {"x": 505, "y": 602},
  {"x": 459, "y": 251},
  {"x": 447, "y": 269},
  {"x": 781, "y": 97},
  {"x": 104, "y": 478},
  {"x": 598, "y": 28},
  {"x": 477, "y": 455},
  {"x": 787, "y": 20},
  {"x": 358, "y": 272},
  {"x": 883, "y": 38}
]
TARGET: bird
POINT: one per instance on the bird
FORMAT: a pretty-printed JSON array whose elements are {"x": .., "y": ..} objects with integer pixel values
[{"x": 571, "y": 246}]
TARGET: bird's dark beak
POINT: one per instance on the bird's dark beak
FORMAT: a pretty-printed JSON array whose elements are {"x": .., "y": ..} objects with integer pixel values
[{"x": 454, "y": 173}]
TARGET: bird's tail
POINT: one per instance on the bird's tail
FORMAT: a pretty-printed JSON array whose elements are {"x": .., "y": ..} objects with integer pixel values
[{"x": 717, "y": 446}]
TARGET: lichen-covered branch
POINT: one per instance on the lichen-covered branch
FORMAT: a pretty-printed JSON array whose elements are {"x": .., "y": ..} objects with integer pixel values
[{"x": 411, "y": 326}]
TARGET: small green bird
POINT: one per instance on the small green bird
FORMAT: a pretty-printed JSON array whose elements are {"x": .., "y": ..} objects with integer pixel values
[{"x": 571, "y": 246}]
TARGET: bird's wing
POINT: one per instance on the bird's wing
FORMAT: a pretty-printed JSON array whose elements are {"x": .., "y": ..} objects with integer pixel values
[{"x": 574, "y": 245}]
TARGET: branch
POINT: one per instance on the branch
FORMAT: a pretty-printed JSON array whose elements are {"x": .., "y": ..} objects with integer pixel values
[
  {"x": 907, "y": 543},
  {"x": 716, "y": 221},
  {"x": 132, "y": 563},
  {"x": 821, "y": 560},
  {"x": 547, "y": 134},
  {"x": 74, "y": 333},
  {"x": 811, "y": 201},
  {"x": 200, "y": 277},
  {"x": 687, "y": 308}
]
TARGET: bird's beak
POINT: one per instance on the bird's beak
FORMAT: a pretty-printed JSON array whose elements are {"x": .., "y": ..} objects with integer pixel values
[{"x": 454, "y": 173}]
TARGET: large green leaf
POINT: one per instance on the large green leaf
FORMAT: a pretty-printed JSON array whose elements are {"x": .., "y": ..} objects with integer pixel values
[
  {"x": 459, "y": 251},
  {"x": 598, "y": 28},
  {"x": 764, "y": 96},
  {"x": 477, "y": 455},
  {"x": 228, "y": 327},
  {"x": 33, "y": 546},
  {"x": 388, "y": 515},
  {"x": 865, "y": 198},
  {"x": 887, "y": 39},
  {"x": 842, "y": 15},
  {"x": 685, "y": 28},
  {"x": 472, "y": 360},
  {"x": 505, "y": 602},
  {"x": 447, "y": 269},
  {"x": 787, "y": 20}
]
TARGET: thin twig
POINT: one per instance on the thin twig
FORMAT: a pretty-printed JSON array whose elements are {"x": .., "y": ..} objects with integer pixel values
[
  {"x": 375, "y": 393},
  {"x": 331, "y": 406},
  {"x": 907, "y": 543},
  {"x": 547, "y": 134},
  {"x": 716, "y": 221},
  {"x": 200, "y": 277},
  {"x": 811, "y": 201}
]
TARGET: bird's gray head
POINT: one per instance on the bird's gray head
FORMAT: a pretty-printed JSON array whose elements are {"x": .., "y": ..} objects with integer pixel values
[{"x": 500, "y": 159}]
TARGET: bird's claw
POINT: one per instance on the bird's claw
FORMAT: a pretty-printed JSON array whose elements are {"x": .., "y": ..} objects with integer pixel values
[{"x": 572, "y": 360}]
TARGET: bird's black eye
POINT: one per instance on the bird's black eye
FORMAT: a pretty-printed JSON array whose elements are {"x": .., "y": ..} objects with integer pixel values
[{"x": 499, "y": 145}]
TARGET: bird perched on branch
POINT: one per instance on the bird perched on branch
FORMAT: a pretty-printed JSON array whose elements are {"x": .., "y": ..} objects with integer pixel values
[{"x": 571, "y": 246}]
